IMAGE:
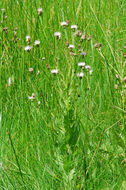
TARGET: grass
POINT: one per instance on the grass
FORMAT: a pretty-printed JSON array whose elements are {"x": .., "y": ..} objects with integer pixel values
[{"x": 75, "y": 138}]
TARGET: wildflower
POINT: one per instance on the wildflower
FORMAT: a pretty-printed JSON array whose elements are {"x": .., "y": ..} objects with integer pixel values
[
  {"x": 88, "y": 67},
  {"x": 40, "y": 11},
  {"x": 73, "y": 27},
  {"x": 43, "y": 59},
  {"x": 37, "y": 43},
  {"x": 28, "y": 48},
  {"x": 98, "y": 45},
  {"x": 90, "y": 72},
  {"x": 30, "y": 70},
  {"x": 81, "y": 64},
  {"x": 32, "y": 97},
  {"x": 54, "y": 71},
  {"x": 5, "y": 29},
  {"x": 28, "y": 39},
  {"x": 38, "y": 72},
  {"x": 117, "y": 76},
  {"x": 83, "y": 53},
  {"x": 64, "y": 23},
  {"x": 9, "y": 81},
  {"x": 5, "y": 17},
  {"x": 57, "y": 35},
  {"x": 71, "y": 46},
  {"x": 39, "y": 102},
  {"x": 3, "y": 10},
  {"x": 80, "y": 75}
]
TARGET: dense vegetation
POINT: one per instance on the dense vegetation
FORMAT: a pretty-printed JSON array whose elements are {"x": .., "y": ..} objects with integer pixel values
[{"x": 63, "y": 107}]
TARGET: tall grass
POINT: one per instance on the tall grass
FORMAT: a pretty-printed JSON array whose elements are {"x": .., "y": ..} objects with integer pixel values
[{"x": 75, "y": 137}]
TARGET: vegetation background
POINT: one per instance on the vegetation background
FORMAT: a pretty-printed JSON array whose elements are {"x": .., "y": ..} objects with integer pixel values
[{"x": 75, "y": 138}]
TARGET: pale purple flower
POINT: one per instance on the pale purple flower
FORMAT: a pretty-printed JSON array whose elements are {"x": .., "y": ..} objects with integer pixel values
[
  {"x": 73, "y": 27},
  {"x": 64, "y": 23},
  {"x": 71, "y": 46},
  {"x": 54, "y": 71},
  {"x": 57, "y": 35},
  {"x": 81, "y": 64},
  {"x": 30, "y": 70},
  {"x": 80, "y": 75},
  {"x": 40, "y": 11},
  {"x": 37, "y": 43},
  {"x": 28, "y": 39},
  {"x": 90, "y": 72},
  {"x": 28, "y": 48},
  {"x": 88, "y": 67}
]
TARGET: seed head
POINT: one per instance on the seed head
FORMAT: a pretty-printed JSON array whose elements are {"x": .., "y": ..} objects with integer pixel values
[{"x": 78, "y": 33}]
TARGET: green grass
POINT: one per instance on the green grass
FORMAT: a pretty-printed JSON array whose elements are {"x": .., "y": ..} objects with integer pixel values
[{"x": 76, "y": 138}]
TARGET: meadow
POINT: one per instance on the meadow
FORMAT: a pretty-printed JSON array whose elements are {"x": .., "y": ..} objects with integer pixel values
[{"x": 63, "y": 95}]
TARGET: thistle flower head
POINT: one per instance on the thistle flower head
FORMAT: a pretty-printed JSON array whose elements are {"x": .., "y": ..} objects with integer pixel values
[
  {"x": 71, "y": 46},
  {"x": 37, "y": 43},
  {"x": 54, "y": 71},
  {"x": 73, "y": 27},
  {"x": 30, "y": 70},
  {"x": 64, "y": 23},
  {"x": 57, "y": 35},
  {"x": 28, "y": 39},
  {"x": 88, "y": 67},
  {"x": 40, "y": 11},
  {"x": 28, "y": 48},
  {"x": 81, "y": 64},
  {"x": 80, "y": 75}
]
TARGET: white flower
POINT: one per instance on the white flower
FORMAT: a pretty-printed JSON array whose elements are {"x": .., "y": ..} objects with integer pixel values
[
  {"x": 30, "y": 70},
  {"x": 73, "y": 27},
  {"x": 28, "y": 48},
  {"x": 90, "y": 72},
  {"x": 57, "y": 34},
  {"x": 9, "y": 81},
  {"x": 28, "y": 39},
  {"x": 40, "y": 11},
  {"x": 80, "y": 75},
  {"x": 81, "y": 64},
  {"x": 38, "y": 72},
  {"x": 71, "y": 46},
  {"x": 32, "y": 97},
  {"x": 64, "y": 23},
  {"x": 54, "y": 71},
  {"x": 37, "y": 43},
  {"x": 39, "y": 102},
  {"x": 88, "y": 67}
]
